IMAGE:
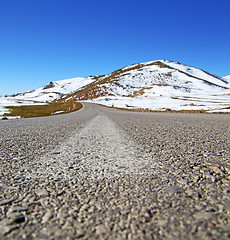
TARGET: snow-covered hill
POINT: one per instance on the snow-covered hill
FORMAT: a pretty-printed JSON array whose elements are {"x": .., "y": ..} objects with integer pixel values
[
  {"x": 48, "y": 93},
  {"x": 54, "y": 90},
  {"x": 160, "y": 85},
  {"x": 156, "y": 85}
]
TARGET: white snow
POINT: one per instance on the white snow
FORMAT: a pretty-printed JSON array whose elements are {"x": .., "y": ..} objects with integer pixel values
[
  {"x": 57, "y": 112},
  {"x": 198, "y": 73},
  {"x": 166, "y": 102},
  {"x": 227, "y": 78}
]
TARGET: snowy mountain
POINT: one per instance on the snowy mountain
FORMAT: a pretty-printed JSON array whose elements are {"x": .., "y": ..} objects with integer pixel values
[
  {"x": 54, "y": 90},
  {"x": 48, "y": 93},
  {"x": 157, "y": 85}
]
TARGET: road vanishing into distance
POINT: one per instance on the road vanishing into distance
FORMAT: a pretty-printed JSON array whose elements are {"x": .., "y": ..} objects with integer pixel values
[{"x": 102, "y": 173}]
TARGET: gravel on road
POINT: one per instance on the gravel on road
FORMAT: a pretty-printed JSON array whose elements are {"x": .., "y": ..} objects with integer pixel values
[{"x": 102, "y": 173}]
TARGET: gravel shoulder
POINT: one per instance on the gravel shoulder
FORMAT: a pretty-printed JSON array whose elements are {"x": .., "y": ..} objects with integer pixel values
[{"x": 107, "y": 174}]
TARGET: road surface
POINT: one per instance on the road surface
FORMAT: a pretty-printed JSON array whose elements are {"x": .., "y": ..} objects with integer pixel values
[{"x": 102, "y": 173}]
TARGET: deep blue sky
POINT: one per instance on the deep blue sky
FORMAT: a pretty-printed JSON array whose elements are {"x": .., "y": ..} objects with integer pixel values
[{"x": 49, "y": 40}]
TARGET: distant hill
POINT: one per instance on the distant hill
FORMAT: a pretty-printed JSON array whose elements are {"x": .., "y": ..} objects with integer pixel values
[{"x": 54, "y": 90}]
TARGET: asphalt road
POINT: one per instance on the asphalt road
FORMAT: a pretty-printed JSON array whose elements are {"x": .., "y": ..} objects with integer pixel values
[{"x": 102, "y": 173}]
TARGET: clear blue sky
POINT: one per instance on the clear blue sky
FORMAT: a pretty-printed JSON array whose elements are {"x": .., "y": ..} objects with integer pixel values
[{"x": 50, "y": 40}]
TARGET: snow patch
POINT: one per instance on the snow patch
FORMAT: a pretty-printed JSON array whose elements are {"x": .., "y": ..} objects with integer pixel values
[{"x": 57, "y": 112}]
